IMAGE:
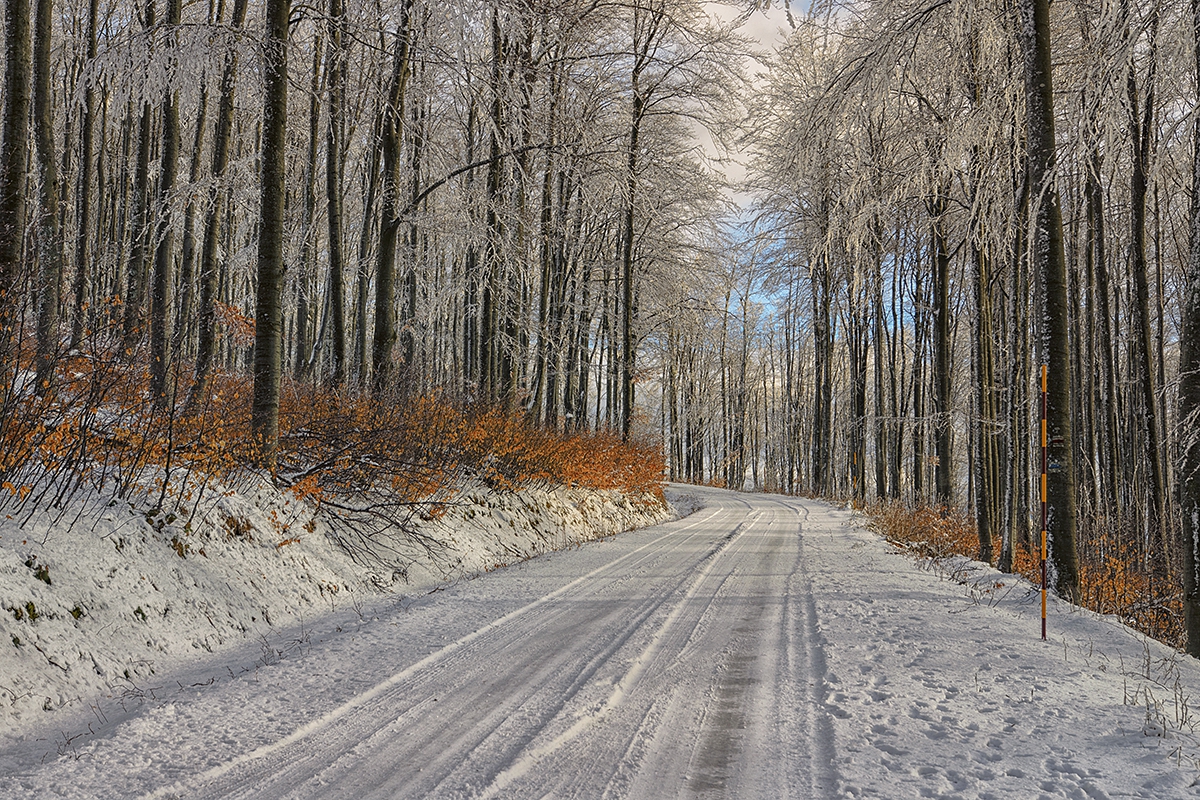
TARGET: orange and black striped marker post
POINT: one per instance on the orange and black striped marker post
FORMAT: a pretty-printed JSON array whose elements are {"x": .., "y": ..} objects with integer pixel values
[{"x": 1044, "y": 465}]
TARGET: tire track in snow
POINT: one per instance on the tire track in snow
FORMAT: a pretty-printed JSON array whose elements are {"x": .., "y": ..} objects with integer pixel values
[
  {"x": 539, "y": 708},
  {"x": 818, "y": 728},
  {"x": 717, "y": 724},
  {"x": 728, "y": 752},
  {"x": 634, "y": 745},
  {"x": 628, "y": 682},
  {"x": 221, "y": 781}
]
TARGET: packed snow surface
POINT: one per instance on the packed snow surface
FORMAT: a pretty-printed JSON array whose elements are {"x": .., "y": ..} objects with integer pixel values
[{"x": 760, "y": 647}]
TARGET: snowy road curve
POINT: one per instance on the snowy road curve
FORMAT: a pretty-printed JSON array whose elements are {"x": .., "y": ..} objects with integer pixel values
[
  {"x": 679, "y": 667},
  {"x": 674, "y": 661},
  {"x": 762, "y": 647}
]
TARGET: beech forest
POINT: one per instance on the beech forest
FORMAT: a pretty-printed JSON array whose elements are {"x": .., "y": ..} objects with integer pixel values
[{"x": 823, "y": 248}]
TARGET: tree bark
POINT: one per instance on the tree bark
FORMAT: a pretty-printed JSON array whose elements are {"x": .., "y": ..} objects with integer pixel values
[
  {"x": 1188, "y": 484},
  {"x": 628, "y": 348},
  {"x": 13, "y": 155},
  {"x": 385, "y": 270},
  {"x": 879, "y": 350},
  {"x": 408, "y": 305},
  {"x": 83, "y": 269},
  {"x": 183, "y": 330},
  {"x": 307, "y": 342},
  {"x": 268, "y": 316},
  {"x": 334, "y": 135},
  {"x": 362, "y": 289},
  {"x": 492, "y": 389},
  {"x": 1049, "y": 260},
  {"x": 50, "y": 244},
  {"x": 987, "y": 506},
  {"x": 858, "y": 342},
  {"x": 135, "y": 276},
  {"x": 920, "y": 335},
  {"x": 942, "y": 427},
  {"x": 822, "y": 425},
  {"x": 164, "y": 257}
]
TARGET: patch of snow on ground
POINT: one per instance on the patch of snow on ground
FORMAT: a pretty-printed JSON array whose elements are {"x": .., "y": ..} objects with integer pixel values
[
  {"x": 903, "y": 680},
  {"x": 939, "y": 685},
  {"x": 99, "y": 596}
]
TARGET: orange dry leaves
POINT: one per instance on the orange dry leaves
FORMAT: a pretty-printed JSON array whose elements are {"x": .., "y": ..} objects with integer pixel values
[
  {"x": 1114, "y": 577},
  {"x": 100, "y": 420}
]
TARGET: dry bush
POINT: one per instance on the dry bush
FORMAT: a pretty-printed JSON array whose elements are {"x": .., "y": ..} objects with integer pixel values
[
  {"x": 371, "y": 461},
  {"x": 1118, "y": 575},
  {"x": 1115, "y": 575},
  {"x": 420, "y": 445},
  {"x": 925, "y": 531},
  {"x": 1027, "y": 562}
]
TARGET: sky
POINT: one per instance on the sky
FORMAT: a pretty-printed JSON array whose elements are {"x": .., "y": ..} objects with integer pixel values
[{"x": 768, "y": 27}]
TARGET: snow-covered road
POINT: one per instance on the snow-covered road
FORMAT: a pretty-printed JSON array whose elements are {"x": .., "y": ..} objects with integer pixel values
[
  {"x": 763, "y": 647},
  {"x": 677, "y": 662}
]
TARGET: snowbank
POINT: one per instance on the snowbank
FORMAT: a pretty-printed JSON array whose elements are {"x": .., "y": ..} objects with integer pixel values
[{"x": 99, "y": 595}]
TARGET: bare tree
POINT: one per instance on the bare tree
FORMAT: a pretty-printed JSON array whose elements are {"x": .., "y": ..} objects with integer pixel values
[
  {"x": 50, "y": 241},
  {"x": 14, "y": 145},
  {"x": 162, "y": 275},
  {"x": 1189, "y": 389},
  {"x": 268, "y": 317}
]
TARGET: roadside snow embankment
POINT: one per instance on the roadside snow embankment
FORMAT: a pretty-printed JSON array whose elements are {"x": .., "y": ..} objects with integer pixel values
[{"x": 96, "y": 597}]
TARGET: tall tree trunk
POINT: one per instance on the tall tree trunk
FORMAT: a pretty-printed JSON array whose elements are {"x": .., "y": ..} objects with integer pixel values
[
  {"x": 822, "y": 427},
  {"x": 1188, "y": 484},
  {"x": 544, "y": 407},
  {"x": 268, "y": 316},
  {"x": 13, "y": 155},
  {"x": 408, "y": 320},
  {"x": 1106, "y": 360},
  {"x": 879, "y": 351},
  {"x": 385, "y": 270},
  {"x": 943, "y": 430},
  {"x": 83, "y": 197},
  {"x": 649, "y": 25},
  {"x": 920, "y": 335},
  {"x": 493, "y": 267},
  {"x": 135, "y": 276},
  {"x": 183, "y": 330},
  {"x": 334, "y": 136},
  {"x": 628, "y": 347},
  {"x": 1049, "y": 260},
  {"x": 164, "y": 257},
  {"x": 206, "y": 344},
  {"x": 895, "y": 383},
  {"x": 115, "y": 212},
  {"x": 987, "y": 506},
  {"x": 1019, "y": 375},
  {"x": 858, "y": 322},
  {"x": 307, "y": 344},
  {"x": 50, "y": 245},
  {"x": 1140, "y": 127},
  {"x": 363, "y": 278}
]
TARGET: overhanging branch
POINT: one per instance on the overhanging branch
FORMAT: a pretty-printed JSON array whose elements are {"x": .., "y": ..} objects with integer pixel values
[{"x": 431, "y": 188}]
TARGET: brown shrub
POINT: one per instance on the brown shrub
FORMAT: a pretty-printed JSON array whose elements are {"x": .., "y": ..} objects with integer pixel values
[
  {"x": 99, "y": 425},
  {"x": 1115, "y": 577}
]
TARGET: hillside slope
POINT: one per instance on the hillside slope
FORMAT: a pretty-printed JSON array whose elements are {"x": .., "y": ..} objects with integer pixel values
[{"x": 99, "y": 598}]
